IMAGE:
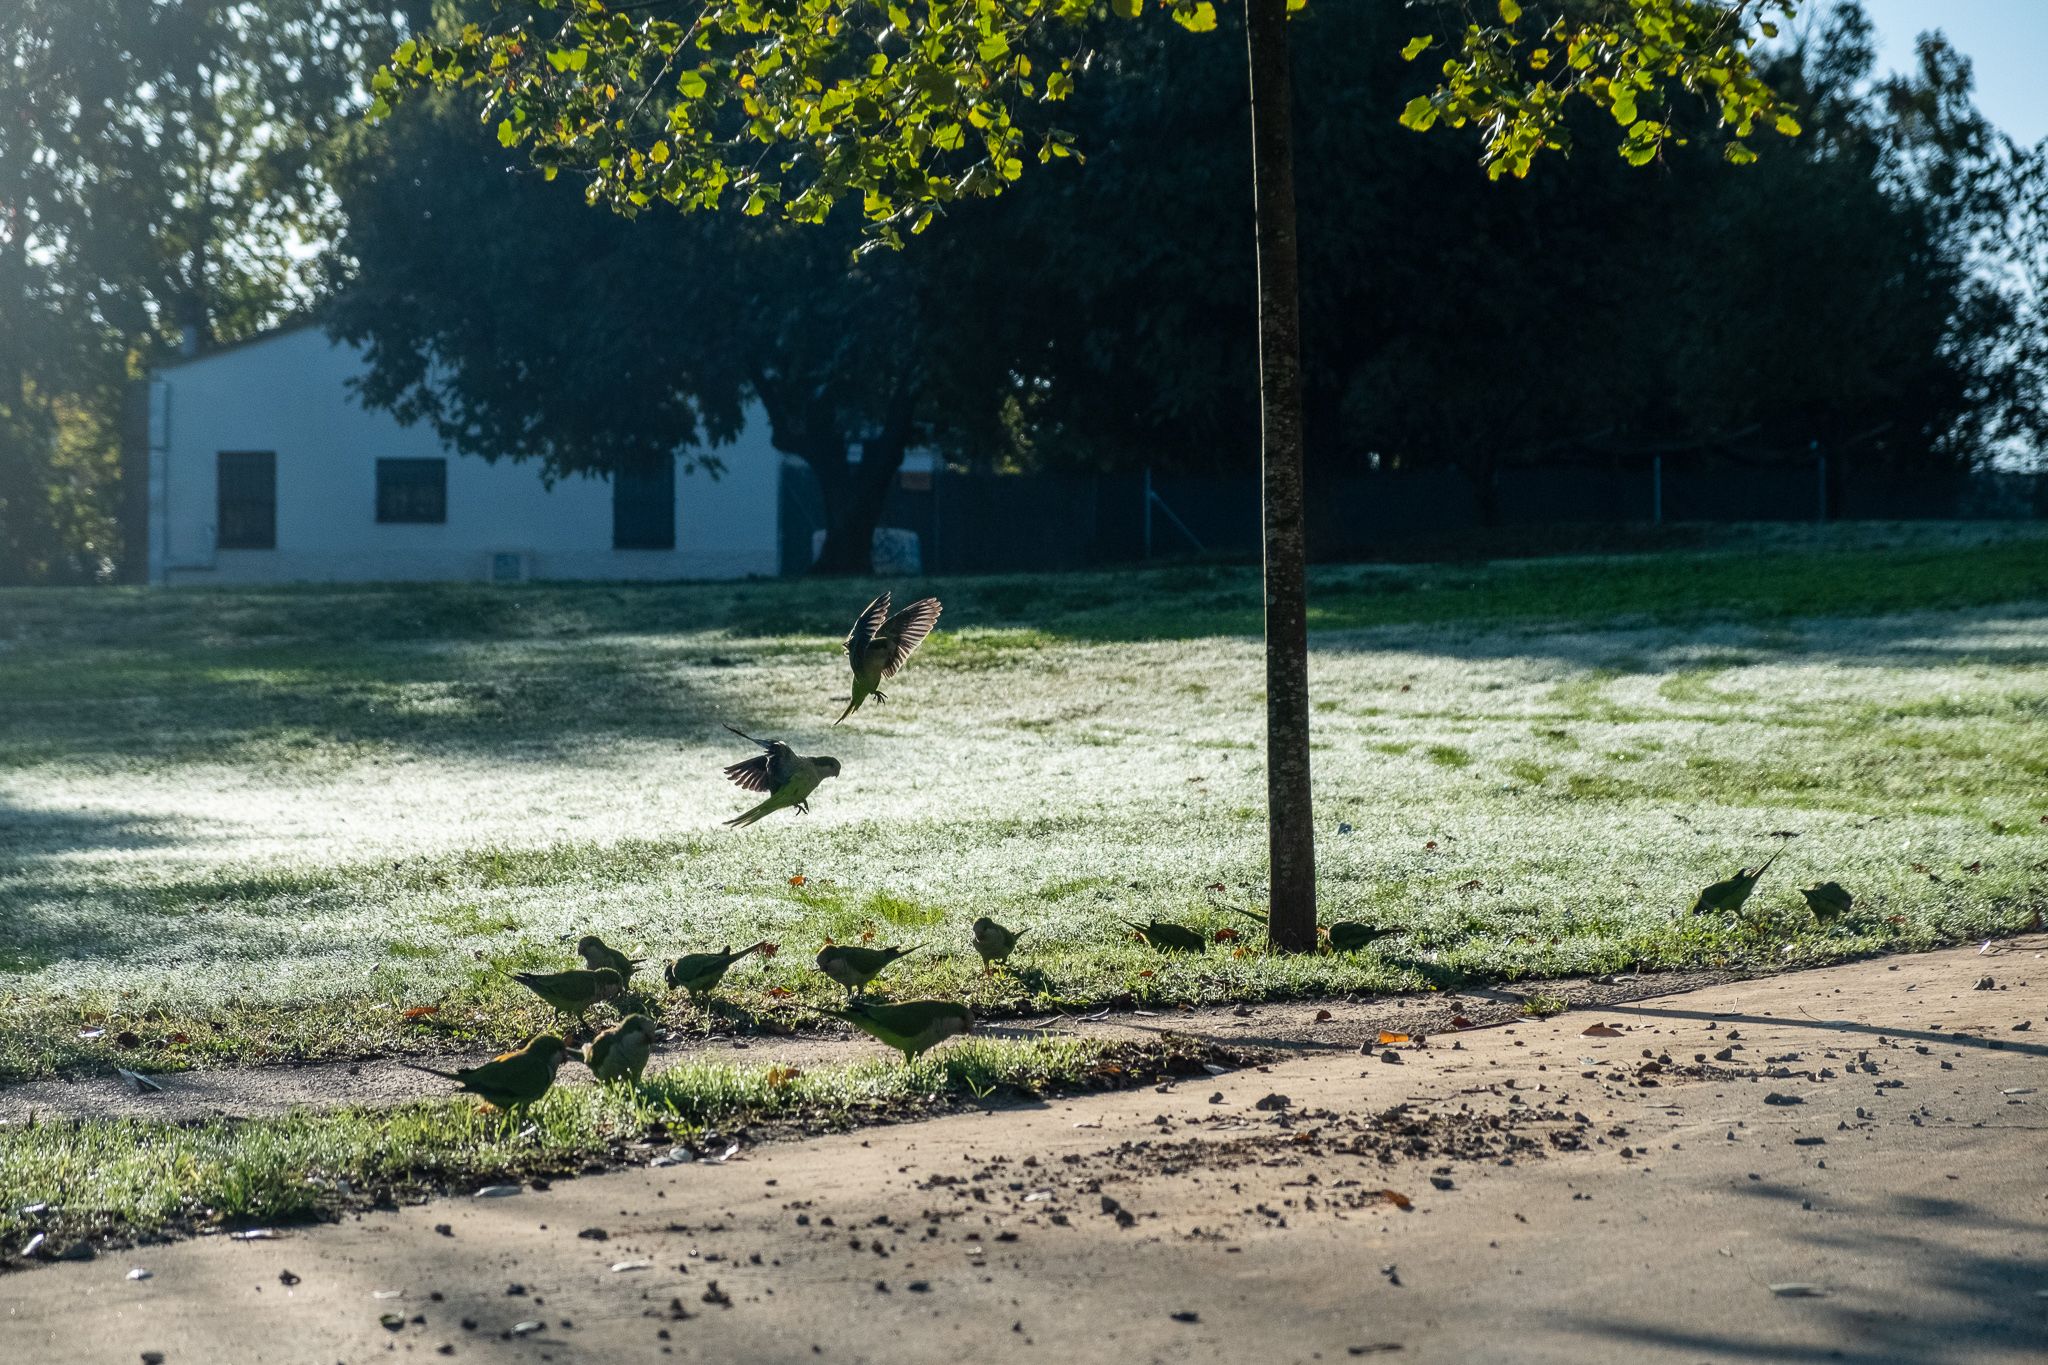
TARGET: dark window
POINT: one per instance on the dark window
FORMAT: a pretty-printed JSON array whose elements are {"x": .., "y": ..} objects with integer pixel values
[
  {"x": 644, "y": 505},
  {"x": 246, "y": 516},
  {"x": 412, "y": 490}
]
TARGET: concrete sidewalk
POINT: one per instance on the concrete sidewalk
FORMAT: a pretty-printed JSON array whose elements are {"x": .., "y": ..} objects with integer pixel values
[{"x": 1849, "y": 1164}]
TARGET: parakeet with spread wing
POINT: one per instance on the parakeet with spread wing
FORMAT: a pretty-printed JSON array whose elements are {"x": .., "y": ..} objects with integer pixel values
[
  {"x": 879, "y": 644},
  {"x": 786, "y": 776}
]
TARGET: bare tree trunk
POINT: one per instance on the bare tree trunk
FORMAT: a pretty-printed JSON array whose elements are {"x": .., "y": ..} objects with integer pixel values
[{"x": 1291, "y": 914}]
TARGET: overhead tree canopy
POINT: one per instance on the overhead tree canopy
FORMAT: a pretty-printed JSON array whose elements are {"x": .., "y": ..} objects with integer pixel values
[{"x": 907, "y": 106}]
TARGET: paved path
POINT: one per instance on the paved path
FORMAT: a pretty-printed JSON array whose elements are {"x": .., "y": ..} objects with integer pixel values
[{"x": 1849, "y": 1164}]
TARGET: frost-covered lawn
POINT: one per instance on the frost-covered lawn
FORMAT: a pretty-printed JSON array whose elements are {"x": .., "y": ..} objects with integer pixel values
[{"x": 269, "y": 822}]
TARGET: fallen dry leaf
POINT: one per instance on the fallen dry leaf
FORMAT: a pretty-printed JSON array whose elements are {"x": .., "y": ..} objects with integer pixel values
[
  {"x": 799, "y": 880},
  {"x": 1226, "y": 935},
  {"x": 420, "y": 1011},
  {"x": 867, "y": 935},
  {"x": 1146, "y": 972},
  {"x": 1601, "y": 1031},
  {"x": 1474, "y": 885},
  {"x": 1429, "y": 847},
  {"x": 1397, "y": 1199},
  {"x": 1389, "y": 1039},
  {"x": 1460, "y": 1021},
  {"x": 770, "y": 949},
  {"x": 779, "y": 1076},
  {"x": 779, "y": 992},
  {"x": 1324, "y": 1016}
]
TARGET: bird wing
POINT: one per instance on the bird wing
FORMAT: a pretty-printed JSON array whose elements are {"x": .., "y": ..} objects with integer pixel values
[
  {"x": 905, "y": 631},
  {"x": 864, "y": 629},
  {"x": 764, "y": 772}
]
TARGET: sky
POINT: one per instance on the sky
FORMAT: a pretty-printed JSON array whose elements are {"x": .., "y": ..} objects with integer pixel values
[{"x": 2006, "y": 41}]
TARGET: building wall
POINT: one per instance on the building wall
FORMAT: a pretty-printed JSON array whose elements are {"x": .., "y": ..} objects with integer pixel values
[{"x": 288, "y": 393}]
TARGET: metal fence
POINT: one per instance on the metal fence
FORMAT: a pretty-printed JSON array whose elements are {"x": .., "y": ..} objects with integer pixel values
[{"x": 998, "y": 523}]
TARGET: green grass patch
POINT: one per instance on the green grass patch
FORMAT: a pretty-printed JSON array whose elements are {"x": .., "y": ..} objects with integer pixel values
[{"x": 110, "y": 1180}]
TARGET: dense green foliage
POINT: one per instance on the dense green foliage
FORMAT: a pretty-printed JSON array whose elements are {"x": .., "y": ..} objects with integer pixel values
[{"x": 160, "y": 169}]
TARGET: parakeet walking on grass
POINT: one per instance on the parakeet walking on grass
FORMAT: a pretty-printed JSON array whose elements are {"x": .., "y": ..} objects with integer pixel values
[
  {"x": 514, "y": 1079},
  {"x": 595, "y": 954},
  {"x": 1731, "y": 895},
  {"x": 574, "y": 992},
  {"x": 913, "y": 1027},
  {"x": 620, "y": 1053},
  {"x": 994, "y": 942},
  {"x": 700, "y": 973},
  {"x": 879, "y": 644},
  {"x": 1829, "y": 902},
  {"x": 1169, "y": 938},
  {"x": 853, "y": 966},
  {"x": 1348, "y": 936},
  {"x": 786, "y": 776}
]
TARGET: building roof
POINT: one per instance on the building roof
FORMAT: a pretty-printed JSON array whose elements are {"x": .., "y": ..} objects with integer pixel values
[{"x": 282, "y": 329}]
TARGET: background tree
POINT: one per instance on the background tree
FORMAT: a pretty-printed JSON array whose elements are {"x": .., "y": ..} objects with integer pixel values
[
  {"x": 589, "y": 344},
  {"x": 160, "y": 169}
]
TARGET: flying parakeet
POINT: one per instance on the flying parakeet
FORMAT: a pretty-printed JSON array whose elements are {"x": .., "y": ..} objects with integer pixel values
[
  {"x": 853, "y": 966},
  {"x": 700, "y": 973},
  {"x": 789, "y": 778},
  {"x": 573, "y": 992},
  {"x": 1829, "y": 901},
  {"x": 994, "y": 942},
  {"x": 595, "y": 954},
  {"x": 1731, "y": 895},
  {"x": 1348, "y": 936},
  {"x": 514, "y": 1079},
  {"x": 879, "y": 644},
  {"x": 620, "y": 1053},
  {"x": 911, "y": 1028},
  {"x": 1169, "y": 938}
]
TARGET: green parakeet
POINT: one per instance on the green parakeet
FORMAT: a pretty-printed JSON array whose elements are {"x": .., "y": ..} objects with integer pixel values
[
  {"x": 595, "y": 954},
  {"x": 911, "y": 1028},
  {"x": 514, "y": 1079},
  {"x": 879, "y": 644},
  {"x": 994, "y": 942},
  {"x": 573, "y": 992},
  {"x": 1829, "y": 901},
  {"x": 620, "y": 1053},
  {"x": 1731, "y": 895},
  {"x": 700, "y": 973},
  {"x": 788, "y": 777},
  {"x": 1170, "y": 938},
  {"x": 1348, "y": 936},
  {"x": 853, "y": 966}
]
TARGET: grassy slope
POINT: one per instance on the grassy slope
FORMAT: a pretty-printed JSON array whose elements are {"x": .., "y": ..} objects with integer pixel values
[{"x": 250, "y": 824}]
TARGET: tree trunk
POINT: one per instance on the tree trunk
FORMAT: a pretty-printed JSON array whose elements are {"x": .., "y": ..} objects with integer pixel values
[
  {"x": 1290, "y": 814},
  {"x": 855, "y": 494}
]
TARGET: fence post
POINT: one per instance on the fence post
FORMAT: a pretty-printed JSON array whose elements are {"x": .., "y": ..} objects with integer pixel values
[
  {"x": 1656, "y": 490},
  {"x": 1148, "y": 511}
]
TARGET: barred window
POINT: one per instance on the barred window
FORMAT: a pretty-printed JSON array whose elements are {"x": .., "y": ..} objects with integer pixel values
[
  {"x": 412, "y": 490},
  {"x": 245, "y": 489}
]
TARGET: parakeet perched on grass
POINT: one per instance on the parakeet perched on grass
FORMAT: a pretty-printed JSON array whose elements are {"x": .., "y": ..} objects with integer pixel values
[
  {"x": 1829, "y": 902},
  {"x": 788, "y": 777},
  {"x": 913, "y": 1027},
  {"x": 879, "y": 644},
  {"x": 994, "y": 942},
  {"x": 1169, "y": 938},
  {"x": 595, "y": 954},
  {"x": 514, "y": 1079},
  {"x": 1348, "y": 936},
  {"x": 700, "y": 973},
  {"x": 574, "y": 992},
  {"x": 1731, "y": 895},
  {"x": 853, "y": 966},
  {"x": 620, "y": 1053}
]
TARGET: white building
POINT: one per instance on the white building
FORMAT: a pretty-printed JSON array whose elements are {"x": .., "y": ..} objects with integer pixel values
[{"x": 264, "y": 468}]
